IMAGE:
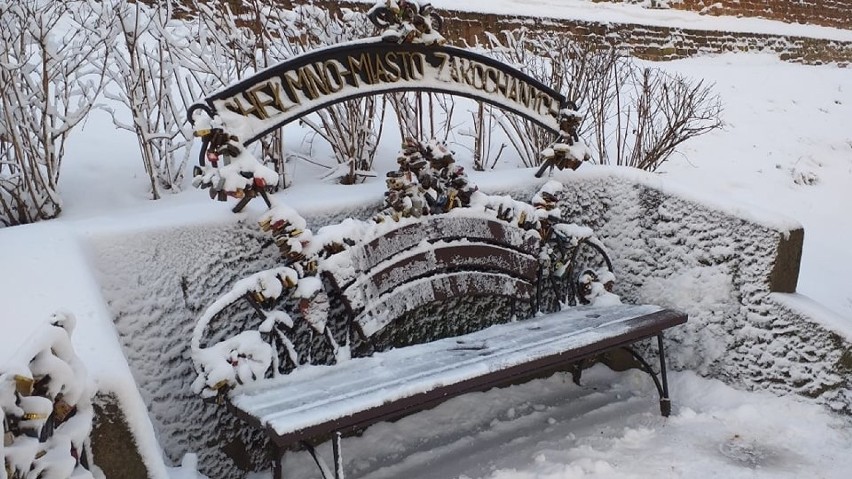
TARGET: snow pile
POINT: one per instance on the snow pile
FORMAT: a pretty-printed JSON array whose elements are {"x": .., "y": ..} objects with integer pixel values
[{"x": 46, "y": 404}]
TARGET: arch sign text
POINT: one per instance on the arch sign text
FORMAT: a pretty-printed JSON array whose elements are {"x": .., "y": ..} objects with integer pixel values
[{"x": 292, "y": 89}]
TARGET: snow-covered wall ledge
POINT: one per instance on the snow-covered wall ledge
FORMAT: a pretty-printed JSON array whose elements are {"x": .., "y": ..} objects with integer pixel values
[
  {"x": 719, "y": 263},
  {"x": 733, "y": 270}
]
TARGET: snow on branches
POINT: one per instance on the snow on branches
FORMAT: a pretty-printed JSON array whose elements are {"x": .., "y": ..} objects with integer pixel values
[
  {"x": 46, "y": 405},
  {"x": 150, "y": 83},
  {"x": 51, "y": 72}
]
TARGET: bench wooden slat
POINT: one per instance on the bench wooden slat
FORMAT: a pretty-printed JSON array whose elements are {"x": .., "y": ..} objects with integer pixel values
[
  {"x": 320, "y": 399},
  {"x": 365, "y": 256},
  {"x": 414, "y": 294},
  {"x": 434, "y": 259}
]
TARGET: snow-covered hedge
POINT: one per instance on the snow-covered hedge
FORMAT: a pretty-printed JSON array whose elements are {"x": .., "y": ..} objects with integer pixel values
[{"x": 46, "y": 404}]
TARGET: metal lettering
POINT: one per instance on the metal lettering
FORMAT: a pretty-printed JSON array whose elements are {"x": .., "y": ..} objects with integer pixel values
[
  {"x": 418, "y": 66},
  {"x": 490, "y": 79},
  {"x": 334, "y": 77},
  {"x": 479, "y": 74},
  {"x": 357, "y": 67},
  {"x": 392, "y": 70},
  {"x": 296, "y": 84},
  {"x": 318, "y": 84}
]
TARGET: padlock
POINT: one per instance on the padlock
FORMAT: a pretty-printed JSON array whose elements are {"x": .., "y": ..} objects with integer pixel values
[
  {"x": 24, "y": 385},
  {"x": 62, "y": 410}
]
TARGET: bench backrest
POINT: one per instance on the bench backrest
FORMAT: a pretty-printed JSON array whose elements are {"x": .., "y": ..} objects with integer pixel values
[{"x": 434, "y": 259}]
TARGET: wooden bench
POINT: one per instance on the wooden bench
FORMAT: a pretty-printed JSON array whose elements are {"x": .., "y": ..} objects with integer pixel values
[{"x": 431, "y": 261}]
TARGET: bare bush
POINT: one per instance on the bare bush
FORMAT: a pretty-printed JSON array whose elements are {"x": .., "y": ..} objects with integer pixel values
[
  {"x": 662, "y": 111},
  {"x": 352, "y": 128},
  {"x": 633, "y": 116},
  {"x": 423, "y": 114},
  {"x": 49, "y": 85},
  {"x": 521, "y": 49},
  {"x": 231, "y": 44},
  {"x": 147, "y": 73}
]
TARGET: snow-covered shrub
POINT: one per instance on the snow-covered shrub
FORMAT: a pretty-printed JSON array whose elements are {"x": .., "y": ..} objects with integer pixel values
[
  {"x": 147, "y": 75},
  {"x": 46, "y": 405},
  {"x": 48, "y": 84},
  {"x": 228, "y": 43}
]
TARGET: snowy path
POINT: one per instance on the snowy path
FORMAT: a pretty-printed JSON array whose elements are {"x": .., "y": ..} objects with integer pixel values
[{"x": 608, "y": 428}]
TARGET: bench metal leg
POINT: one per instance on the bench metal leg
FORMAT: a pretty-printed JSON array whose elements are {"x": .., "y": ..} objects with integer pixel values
[
  {"x": 277, "y": 453},
  {"x": 665, "y": 401},
  {"x": 338, "y": 457},
  {"x": 660, "y": 382}
]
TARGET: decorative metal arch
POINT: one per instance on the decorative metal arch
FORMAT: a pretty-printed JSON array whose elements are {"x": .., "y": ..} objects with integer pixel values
[{"x": 303, "y": 84}]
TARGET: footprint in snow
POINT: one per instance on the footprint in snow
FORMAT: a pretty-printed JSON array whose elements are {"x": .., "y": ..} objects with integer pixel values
[{"x": 751, "y": 454}]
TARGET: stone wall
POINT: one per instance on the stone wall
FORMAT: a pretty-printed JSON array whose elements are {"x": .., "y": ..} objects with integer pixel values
[
  {"x": 156, "y": 284},
  {"x": 830, "y": 13},
  {"x": 722, "y": 270}
]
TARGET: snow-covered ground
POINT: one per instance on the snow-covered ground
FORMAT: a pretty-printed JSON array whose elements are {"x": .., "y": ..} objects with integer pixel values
[
  {"x": 608, "y": 428},
  {"x": 786, "y": 147}
]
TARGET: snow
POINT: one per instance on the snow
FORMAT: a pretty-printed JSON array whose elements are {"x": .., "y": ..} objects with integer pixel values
[
  {"x": 237, "y": 360},
  {"x": 775, "y": 127},
  {"x": 813, "y": 309},
  {"x": 783, "y": 160},
  {"x": 552, "y": 428},
  {"x": 49, "y": 357}
]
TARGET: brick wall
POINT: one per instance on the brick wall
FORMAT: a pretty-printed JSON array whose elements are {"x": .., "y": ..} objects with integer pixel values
[
  {"x": 644, "y": 41},
  {"x": 663, "y": 43},
  {"x": 829, "y": 13},
  {"x": 658, "y": 43}
]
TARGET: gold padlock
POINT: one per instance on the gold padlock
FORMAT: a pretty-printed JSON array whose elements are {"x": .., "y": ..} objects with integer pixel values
[
  {"x": 61, "y": 410},
  {"x": 24, "y": 385}
]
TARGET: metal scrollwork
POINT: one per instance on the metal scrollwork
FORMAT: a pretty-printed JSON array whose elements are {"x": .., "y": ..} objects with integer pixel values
[{"x": 407, "y": 21}]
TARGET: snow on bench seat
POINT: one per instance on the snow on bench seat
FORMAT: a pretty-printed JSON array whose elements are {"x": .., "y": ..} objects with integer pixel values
[{"x": 317, "y": 400}]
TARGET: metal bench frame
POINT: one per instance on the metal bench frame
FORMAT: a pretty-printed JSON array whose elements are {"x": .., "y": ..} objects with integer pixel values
[{"x": 461, "y": 256}]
